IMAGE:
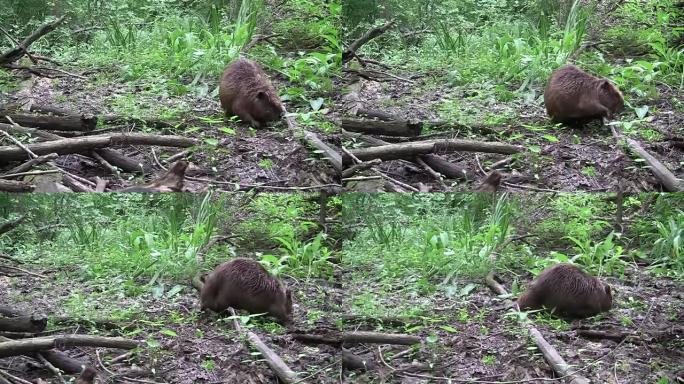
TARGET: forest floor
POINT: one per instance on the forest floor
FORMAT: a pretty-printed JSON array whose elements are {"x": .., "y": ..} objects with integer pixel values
[
  {"x": 477, "y": 337},
  {"x": 586, "y": 159},
  {"x": 192, "y": 346},
  {"x": 273, "y": 156}
]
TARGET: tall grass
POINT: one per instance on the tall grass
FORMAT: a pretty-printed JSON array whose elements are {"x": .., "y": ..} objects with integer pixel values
[{"x": 429, "y": 240}]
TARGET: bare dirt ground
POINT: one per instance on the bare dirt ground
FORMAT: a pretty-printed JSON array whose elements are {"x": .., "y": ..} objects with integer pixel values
[
  {"x": 475, "y": 340},
  {"x": 272, "y": 157},
  {"x": 202, "y": 349},
  {"x": 587, "y": 159}
]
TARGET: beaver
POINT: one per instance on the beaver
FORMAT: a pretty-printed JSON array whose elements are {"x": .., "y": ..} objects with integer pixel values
[
  {"x": 490, "y": 183},
  {"x": 171, "y": 181},
  {"x": 245, "y": 284},
  {"x": 568, "y": 291},
  {"x": 87, "y": 376},
  {"x": 575, "y": 97},
  {"x": 245, "y": 91}
]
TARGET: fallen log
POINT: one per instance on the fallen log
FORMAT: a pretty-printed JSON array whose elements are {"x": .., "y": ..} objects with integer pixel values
[
  {"x": 339, "y": 338},
  {"x": 667, "y": 178},
  {"x": 112, "y": 156},
  {"x": 53, "y": 123},
  {"x": 446, "y": 168},
  {"x": 36, "y": 344},
  {"x": 373, "y": 114},
  {"x": 58, "y": 359},
  {"x": 16, "y": 186},
  {"x": 386, "y": 128},
  {"x": 331, "y": 155},
  {"x": 84, "y": 144},
  {"x": 32, "y": 163},
  {"x": 123, "y": 162},
  {"x": 31, "y": 324},
  {"x": 10, "y": 225},
  {"x": 17, "y": 52},
  {"x": 550, "y": 354},
  {"x": 410, "y": 150}
]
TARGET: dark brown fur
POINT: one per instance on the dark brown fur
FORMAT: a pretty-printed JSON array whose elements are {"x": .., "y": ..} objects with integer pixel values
[
  {"x": 490, "y": 183},
  {"x": 172, "y": 181},
  {"x": 246, "y": 91},
  {"x": 87, "y": 376},
  {"x": 576, "y": 97},
  {"x": 568, "y": 290},
  {"x": 245, "y": 284}
]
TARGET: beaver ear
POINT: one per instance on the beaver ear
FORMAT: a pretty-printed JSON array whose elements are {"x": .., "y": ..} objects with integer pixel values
[
  {"x": 606, "y": 287},
  {"x": 261, "y": 95},
  {"x": 606, "y": 86}
]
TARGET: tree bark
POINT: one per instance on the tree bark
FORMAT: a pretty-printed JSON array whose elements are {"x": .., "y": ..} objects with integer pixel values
[
  {"x": 409, "y": 150},
  {"x": 84, "y": 144},
  {"x": 53, "y": 123},
  {"x": 386, "y": 128},
  {"x": 21, "y": 347}
]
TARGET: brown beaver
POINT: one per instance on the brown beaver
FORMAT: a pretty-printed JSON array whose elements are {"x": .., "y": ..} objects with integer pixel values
[
  {"x": 245, "y": 91},
  {"x": 87, "y": 376},
  {"x": 490, "y": 183},
  {"x": 568, "y": 291},
  {"x": 245, "y": 284},
  {"x": 171, "y": 181},
  {"x": 575, "y": 97}
]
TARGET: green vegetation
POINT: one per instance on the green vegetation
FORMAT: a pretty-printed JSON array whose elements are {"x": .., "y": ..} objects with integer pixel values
[
  {"x": 165, "y": 48},
  {"x": 427, "y": 243},
  {"x": 502, "y": 51},
  {"x": 130, "y": 245}
]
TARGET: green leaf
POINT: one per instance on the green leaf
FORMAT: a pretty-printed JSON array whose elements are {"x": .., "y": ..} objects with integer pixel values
[
  {"x": 212, "y": 142},
  {"x": 551, "y": 138},
  {"x": 449, "y": 329},
  {"x": 227, "y": 130},
  {"x": 432, "y": 339},
  {"x": 641, "y": 111},
  {"x": 168, "y": 332},
  {"x": 316, "y": 104}
]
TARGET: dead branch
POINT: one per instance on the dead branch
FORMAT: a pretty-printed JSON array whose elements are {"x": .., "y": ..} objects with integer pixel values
[
  {"x": 56, "y": 123},
  {"x": 20, "y": 347},
  {"x": 360, "y": 167},
  {"x": 550, "y": 354},
  {"x": 10, "y": 225},
  {"x": 349, "y": 53},
  {"x": 387, "y": 128},
  {"x": 277, "y": 365},
  {"x": 339, "y": 338},
  {"x": 32, "y": 163},
  {"x": 33, "y": 324},
  {"x": 84, "y": 144},
  {"x": 16, "y": 186},
  {"x": 410, "y": 150},
  {"x": 667, "y": 178},
  {"x": 446, "y": 168},
  {"x": 331, "y": 154},
  {"x": 20, "y": 50}
]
